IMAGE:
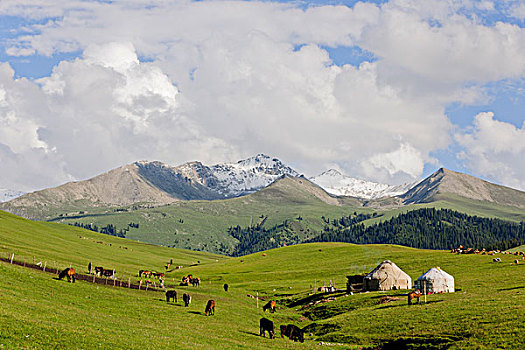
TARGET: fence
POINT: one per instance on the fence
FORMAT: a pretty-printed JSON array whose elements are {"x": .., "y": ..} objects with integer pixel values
[{"x": 54, "y": 269}]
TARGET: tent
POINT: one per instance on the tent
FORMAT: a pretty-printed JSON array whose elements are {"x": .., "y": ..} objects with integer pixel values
[
  {"x": 387, "y": 276},
  {"x": 435, "y": 280}
]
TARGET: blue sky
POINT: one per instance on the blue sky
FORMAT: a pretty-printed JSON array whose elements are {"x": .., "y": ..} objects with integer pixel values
[{"x": 386, "y": 91}]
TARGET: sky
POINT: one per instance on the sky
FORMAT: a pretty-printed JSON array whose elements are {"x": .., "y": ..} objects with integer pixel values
[{"x": 386, "y": 91}]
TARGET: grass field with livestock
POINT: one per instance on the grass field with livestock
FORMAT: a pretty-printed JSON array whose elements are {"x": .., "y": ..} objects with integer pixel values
[{"x": 40, "y": 312}]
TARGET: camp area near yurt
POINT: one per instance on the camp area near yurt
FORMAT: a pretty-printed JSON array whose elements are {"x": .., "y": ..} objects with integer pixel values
[{"x": 41, "y": 312}]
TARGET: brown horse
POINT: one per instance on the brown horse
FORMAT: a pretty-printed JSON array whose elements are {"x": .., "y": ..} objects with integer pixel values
[
  {"x": 69, "y": 273},
  {"x": 210, "y": 308},
  {"x": 269, "y": 305},
  {"x": 171, "y": 294},
  {"x": 414, "y": 294},
  {"x": 187, "y": 299},
  {"x": 195, "y": 281},
  {"x": 158, "y": 275}
]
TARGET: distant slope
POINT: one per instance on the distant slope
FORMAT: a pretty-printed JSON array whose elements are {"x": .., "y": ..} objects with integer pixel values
[
  {"x": 445, "y": 183},
  {"x": 63, "y": 245},
  {"x": 203, "y": 225}
]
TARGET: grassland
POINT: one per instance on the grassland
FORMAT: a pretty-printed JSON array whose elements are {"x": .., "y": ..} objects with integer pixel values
[{"x": 41, "y": 312}]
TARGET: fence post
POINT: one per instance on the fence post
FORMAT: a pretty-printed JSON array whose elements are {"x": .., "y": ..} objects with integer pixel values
[
  {"x": 129, "y": 282},
  {"x": 257, "y": 298},
  {"x": 45, "y": 264},
  {"x": 93, "y": 278},
  {"x": 24, "y": 261},
  {"x": 12, "y": 257}
]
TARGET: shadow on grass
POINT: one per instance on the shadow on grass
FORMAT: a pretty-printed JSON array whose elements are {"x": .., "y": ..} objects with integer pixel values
[
  {"x": 414, "y": 304},
  {"x": 197, "y": 313},
  {"x": 250, "y": 333},
  {"x": 513, "y": 288}
]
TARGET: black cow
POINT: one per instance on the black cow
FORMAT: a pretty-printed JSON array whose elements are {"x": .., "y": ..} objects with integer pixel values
[
  {"x": 225, "y": 287},
  {"x": 267, "y": 325},
  {"x": 171, "y": 294}
]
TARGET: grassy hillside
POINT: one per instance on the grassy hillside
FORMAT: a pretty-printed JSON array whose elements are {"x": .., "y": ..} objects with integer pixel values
[{"x": 41, "y": 312}]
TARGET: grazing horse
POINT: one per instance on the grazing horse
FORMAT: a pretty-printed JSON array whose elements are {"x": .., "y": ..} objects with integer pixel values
[
  {"x": 266, "y": 325},
  {"x": 69, "y": 273},
  {"x": 284, "y": 331},
  {"x": 158, "y": 275},
  {"x": 210, "y": 308},
  {"x": 269, "y": 305},
  {"x": 145, "y": 273},
  {"x": 414, "y": 294},
  {"x": 187, "y": 299},
  {"x": 225, "y": 287},
  {"x": 195, "y": 281},
  {"x": 295, "y": 333},
  {"x": 171, "y": 294},
  {"x": 107, "y": 273},
  {"x": 98, "y": 270}
]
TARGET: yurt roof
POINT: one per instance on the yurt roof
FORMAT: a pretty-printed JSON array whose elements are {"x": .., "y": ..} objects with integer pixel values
[
  {"x": 434, "y": 274},
  {"x": 386, "y": 266}
]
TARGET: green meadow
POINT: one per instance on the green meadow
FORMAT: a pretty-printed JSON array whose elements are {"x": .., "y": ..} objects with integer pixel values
[{"x": 40, "y": 312}]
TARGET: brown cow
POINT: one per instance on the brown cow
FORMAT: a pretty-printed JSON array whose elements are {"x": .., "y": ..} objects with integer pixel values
[
  {"x": 414, "y": 294},
  {"x": 210, "y": 308}
]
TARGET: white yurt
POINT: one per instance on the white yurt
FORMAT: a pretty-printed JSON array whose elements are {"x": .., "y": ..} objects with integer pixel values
[
  {"x": 387, "y": 276},
  {"x": 435, "y": 280}
]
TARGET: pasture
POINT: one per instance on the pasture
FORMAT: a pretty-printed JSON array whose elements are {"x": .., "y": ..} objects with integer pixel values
[{"x": 41, "y": 312}]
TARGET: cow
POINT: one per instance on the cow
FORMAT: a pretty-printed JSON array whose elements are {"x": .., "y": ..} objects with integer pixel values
[
  {"x": 284, "y": 331},
  {"x": 171, "y": 294},
  {"x": 210, "y": 308},
  {"x": 108, "y": 273},
  {"x": 269, "y": 305},
  {"x": 225, "y": 287},
  {"x": 195, "y": 281},
  {"x": 99, "y": 270},
  {"x": 187, "y": 299},
  {"x": 266, "y": 325}
]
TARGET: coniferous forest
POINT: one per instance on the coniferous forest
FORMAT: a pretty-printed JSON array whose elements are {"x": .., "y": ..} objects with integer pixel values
[{"x": 427, "y": 228}]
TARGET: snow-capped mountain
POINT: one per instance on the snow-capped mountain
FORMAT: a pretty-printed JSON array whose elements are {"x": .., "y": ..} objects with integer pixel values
[
  {"x": 7, "y": 195},
  {"x": 332, "y": 181},
  {"x": 236, "y": 179}
]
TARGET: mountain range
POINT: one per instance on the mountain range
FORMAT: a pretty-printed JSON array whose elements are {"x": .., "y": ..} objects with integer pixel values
[{"x": 6, "y": 195}]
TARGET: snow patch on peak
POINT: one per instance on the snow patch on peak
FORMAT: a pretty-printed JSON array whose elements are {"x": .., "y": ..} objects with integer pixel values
[
  {"x": 6, "y": 195},
  {"x": 333, "y": 182}
]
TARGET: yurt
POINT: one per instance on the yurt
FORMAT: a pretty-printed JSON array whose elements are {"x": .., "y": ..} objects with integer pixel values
[
  {"x": 435, "y": 280},
  {"x": 387, "y": 276}
]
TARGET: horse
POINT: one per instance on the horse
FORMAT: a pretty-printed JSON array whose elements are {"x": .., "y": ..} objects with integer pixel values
[
  {"x": 414, "y": 294},
  {"x": 107, "y": 273},
  {"x": 195, "y": 281},
  {"x": 295, "y": 333},
  {"x": 98, "y": 270},
  {"x": 187, "y": 299},
  {"x": 225, "y": 287},
  {"x": 158, "y": 275},
  {"x": 266, "y": 325},
  {"x": 210, "y": 308},
  {"x": 171, "y": 294},
  {"x": 146, "y": 273},
  {"x": 284, "y": 331},
  {"x": 69, "y": 273},
  {"x": 269, "y": 305}
]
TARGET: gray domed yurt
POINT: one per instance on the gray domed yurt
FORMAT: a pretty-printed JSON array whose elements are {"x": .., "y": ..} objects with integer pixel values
[
  {"x": 435, "y": 280},
  {"x": 387, "y": 276}
]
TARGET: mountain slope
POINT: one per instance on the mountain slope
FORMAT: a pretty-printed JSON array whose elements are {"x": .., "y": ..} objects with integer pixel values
[
  {"x": 446, "y": 184},
  {"x": 151, "y": 184},
  {"x": 341, "y": 185}
]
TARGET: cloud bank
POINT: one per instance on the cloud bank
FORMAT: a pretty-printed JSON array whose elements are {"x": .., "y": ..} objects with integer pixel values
[{"x": 221, "y": 80}]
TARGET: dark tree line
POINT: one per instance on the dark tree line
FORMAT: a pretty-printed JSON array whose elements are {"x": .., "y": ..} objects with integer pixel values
[
  {"x": 109, "y": 229},
  {"x": 431, "y": 228}
]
